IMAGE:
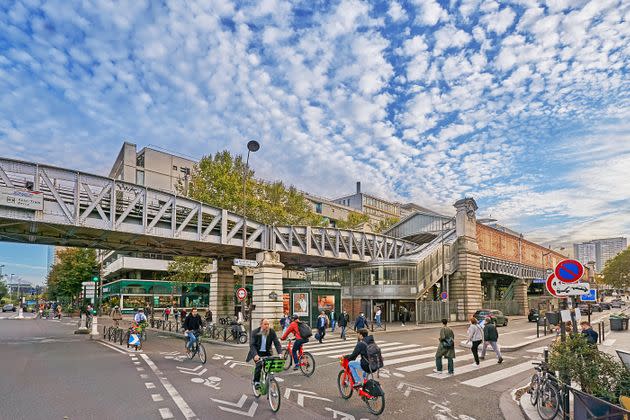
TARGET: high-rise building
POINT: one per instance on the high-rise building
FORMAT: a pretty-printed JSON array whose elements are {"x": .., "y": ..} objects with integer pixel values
[{"x": 599, "y": 251}]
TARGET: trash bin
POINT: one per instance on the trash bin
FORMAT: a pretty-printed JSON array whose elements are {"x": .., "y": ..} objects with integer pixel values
[{"x": 618, "y": 324}]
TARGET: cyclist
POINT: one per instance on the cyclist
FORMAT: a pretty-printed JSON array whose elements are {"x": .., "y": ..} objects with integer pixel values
[
  {"x": 116, "y": 316},
  {"x": 299, "y": 341},
  {"x": 357, "y": 367},
  {"x": 260, "y": 346},
  {"x": 192, "y": 325},
  {"x": 140, "y": 317}
]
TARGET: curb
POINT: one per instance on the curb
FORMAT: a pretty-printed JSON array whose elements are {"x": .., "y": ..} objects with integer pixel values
[{"x": 511, "y": 407}]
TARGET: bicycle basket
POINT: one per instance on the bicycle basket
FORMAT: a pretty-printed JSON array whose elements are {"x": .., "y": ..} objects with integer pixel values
[{"x": 274, "y": 365}]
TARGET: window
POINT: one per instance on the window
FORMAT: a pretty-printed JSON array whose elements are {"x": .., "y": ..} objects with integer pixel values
[
  {"x": 140, "y": 160},
  {"x": 175, "y": 167},
  {"x": 318, "y": 208},
  {"x": 185, "y": 171},
  {"x": 140, "y": 177}
]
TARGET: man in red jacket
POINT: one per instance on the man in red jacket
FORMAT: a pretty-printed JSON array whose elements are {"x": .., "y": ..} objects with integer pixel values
[{"x": 299, "y": 341}]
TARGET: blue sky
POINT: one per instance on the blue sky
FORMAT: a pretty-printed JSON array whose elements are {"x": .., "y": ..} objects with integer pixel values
[{"x": 522, "y": 104}]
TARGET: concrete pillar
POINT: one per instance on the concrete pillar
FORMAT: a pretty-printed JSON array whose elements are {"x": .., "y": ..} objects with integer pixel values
[
  {"x": 465, "y": 285},
  {"x": 222, "y": 290},
  {"x": 492, "y": 289},
  {"x": 267, "y": 279},
  {"x": 520, "y": 295}
]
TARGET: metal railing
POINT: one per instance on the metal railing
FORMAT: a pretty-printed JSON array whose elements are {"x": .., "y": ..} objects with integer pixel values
[{"x": 508, "y": 307}]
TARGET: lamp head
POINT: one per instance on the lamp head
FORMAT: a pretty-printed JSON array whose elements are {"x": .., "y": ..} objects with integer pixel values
[{"x": 253, "y": 146}]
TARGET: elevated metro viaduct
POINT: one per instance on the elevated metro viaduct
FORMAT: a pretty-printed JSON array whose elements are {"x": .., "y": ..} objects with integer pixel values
[{"x": 43, "y": 204}]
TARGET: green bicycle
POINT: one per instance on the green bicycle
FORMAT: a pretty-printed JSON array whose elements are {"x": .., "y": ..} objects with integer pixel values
[{"x": 268, "y": 384}]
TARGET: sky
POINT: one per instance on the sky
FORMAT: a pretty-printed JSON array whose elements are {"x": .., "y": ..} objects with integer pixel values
[{"x": 523, "y": 105}]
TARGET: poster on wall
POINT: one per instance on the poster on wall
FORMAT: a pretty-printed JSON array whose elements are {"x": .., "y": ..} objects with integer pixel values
[
  {"x": 285, "y": 303},
  {"x": 325, "y": 303},
  {"x": 300, "y": 304}
]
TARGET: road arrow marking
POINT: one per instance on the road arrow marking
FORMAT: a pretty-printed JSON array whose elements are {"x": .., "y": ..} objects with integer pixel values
[
  {"x": 407, "y": 388},
  {"x": 232, "y": 363},
  {"x": 339, "y": 415},
  {"x": 194, "y": 373},
  {"x": 303, "y": 394},
  {"x": 190, "y": 369},
  {"x": 239, "y": 404}
]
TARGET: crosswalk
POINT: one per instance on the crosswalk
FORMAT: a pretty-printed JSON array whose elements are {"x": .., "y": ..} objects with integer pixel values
[{"x": 409, "y": 358}]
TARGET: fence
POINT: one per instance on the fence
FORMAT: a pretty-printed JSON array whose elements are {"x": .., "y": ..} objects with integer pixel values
[
  {"x": 508, "y": 307},
  {"x": 431, "y": 311}
]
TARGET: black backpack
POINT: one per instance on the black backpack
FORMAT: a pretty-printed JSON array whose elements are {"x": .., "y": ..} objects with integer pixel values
[
  {"x": 375, "y": 358},
  {"x": 373, "y": 388},
  {"x": 304, "y": 330}
]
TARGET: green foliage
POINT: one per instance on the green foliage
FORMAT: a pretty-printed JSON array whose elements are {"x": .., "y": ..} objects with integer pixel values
[
  {"x": 617, "y": 270},
  {"x": 188, "y": 269},
  {"x": 4, "y": 291},
  {"x": 218, "y": 181},
  {"x": 355, "y": 221},
  {"x": 74, "y": 266},
  {"x": 385, "y": 224},
  {"x": 596, "y": 372}
]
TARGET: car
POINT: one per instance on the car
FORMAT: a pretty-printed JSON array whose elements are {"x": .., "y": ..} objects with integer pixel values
[
  {"x": 533, "y": 315},
  {"x": 496, "y": 315},
  {"x": 9, "y": 307},
  {"x": 615, "y": 304},
  {"x": 596, "y": 307},
  {"x": 605, "y": 305},
  {"x": 585, "y": 309}
]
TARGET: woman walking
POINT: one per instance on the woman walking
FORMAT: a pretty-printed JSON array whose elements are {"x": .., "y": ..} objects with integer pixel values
[{"x": 475, "y": 336}]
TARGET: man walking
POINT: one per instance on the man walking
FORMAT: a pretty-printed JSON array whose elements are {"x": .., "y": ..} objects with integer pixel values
[
  {"x": 333, "y": 320},
  {"x": 322, "y": 323},
  {"x": 490, "y": 337},
  {"x": 377, "y": 317},
  {"x": 446, "y": 348},
  {"x": 361, "y": 322},
  {"x": 343, "y": 323}
]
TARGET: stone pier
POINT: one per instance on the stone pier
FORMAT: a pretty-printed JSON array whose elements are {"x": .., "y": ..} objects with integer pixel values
[
  {"x": 222, "y": 290},
  {"x": 267, "y": 283},
  {"x": 520, "y": 295}
]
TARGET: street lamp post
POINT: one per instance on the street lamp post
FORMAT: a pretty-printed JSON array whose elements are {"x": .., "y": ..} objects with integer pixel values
[{"x": 252, "y": 146}]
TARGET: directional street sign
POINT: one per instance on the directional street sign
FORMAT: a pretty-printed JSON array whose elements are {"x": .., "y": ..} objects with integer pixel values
[
  {"x": 239, "y": 262},
  {"x": 134, "y": 340},
  {"x": 590, "y": 297},
  {"x": 241, "y": 294},
  {"x": 569, "y": 271}
]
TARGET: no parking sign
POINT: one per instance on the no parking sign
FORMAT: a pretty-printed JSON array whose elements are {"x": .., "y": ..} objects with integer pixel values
[{"x": 569, "y": 271}]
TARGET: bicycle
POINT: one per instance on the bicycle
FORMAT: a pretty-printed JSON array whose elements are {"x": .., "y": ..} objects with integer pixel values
[
  {"x": 138, "y": 329},
  {"x": 268, "y": 384},
  {"x": 306, "y": 361},
  {"x": 545, "y": 392},
  {"x": 196, "y": 348},
  {"x": 370, "y": 391}
]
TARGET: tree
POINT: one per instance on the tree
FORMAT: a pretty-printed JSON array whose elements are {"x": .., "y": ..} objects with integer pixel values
[
  {"x": 355, "y": 221},
  {"x": 184, "y": 270},
  {"x": 3, "y": 289},
  {"x": 385, "y": 224},
  {"x": 218, "y": 181},
  {"x": 74, "y": 266},
  {"x": 617, "y": 270}
]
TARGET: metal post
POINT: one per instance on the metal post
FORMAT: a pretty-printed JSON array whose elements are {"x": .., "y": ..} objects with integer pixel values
[
  {"x": 589, "y": 313},
  {"x": 252, "y": 146}
]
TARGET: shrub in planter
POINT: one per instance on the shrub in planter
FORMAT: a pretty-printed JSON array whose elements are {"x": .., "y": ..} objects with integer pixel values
[{"x": 596, "y": 373}]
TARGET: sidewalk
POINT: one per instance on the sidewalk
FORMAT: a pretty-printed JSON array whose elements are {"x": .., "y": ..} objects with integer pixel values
[{"x": 410, "y": 326}]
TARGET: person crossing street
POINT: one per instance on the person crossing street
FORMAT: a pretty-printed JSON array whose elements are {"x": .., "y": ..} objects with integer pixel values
[
  {"x": 322, "y": 323},
  {"x": 446, "y": 348},
  {"x": 344, "y": 319},
  {"x": 490, "y": 337}
]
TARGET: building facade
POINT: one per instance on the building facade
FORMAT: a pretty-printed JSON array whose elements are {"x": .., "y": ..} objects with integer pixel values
[{"x": 599, "y": 251}]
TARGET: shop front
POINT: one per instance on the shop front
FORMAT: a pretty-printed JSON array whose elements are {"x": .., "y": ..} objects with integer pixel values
[{"x": 308, "y": 298}]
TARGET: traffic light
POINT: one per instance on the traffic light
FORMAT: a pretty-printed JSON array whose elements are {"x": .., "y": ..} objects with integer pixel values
[{"x": 96, "y": 276}]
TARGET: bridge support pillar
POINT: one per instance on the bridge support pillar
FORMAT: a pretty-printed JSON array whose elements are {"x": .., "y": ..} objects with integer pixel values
[
  {"x": 520, "y": 295},
  {"x": 267, "y": 291},
  {"x": 222, "y": 290},
  {"x": 465, "y": 287}
]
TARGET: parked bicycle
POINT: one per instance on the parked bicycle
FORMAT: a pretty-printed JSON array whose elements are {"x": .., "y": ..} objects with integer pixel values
[
  {"x": 306, "y": 361},
  {"x": 197, "y": 348},
  {"x": 225, "y": 320},
  {"x": 545, "y": 392},
  {"x": 268, "y": 384},
  {"x": 370, "y": 391}
]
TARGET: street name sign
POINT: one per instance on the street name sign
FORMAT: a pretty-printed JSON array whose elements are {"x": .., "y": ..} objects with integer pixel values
[
  {"x": 239, "y": 262},
  {"x": 569, "y": 271}
]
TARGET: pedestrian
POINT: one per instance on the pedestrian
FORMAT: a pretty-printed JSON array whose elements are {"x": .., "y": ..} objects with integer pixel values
[
  {"x": 361, "y": 322},
  {"x": 475, "y": 336},
  {"x": 167, "y": 312},
  {"x": 116, "y": 316},
  {"x": 446, "y": 348},
  {"x": 182, "y": 315},
  {"x": 377, "y": 317},
  {"x": 333, "y": 320},
  {"x": 285, "y": 321},
  {"x": 401, "y": 316},
  {"x": 587, "y": 331},
  {"x": 59, "y": 308},
  {"x": 490, "y": 337},
  {"x": 322, "y": 323},
  {"x": 209, "y": 316},
  {"x": 343, "y": 323},
  {"x": 176, "y": 315}
]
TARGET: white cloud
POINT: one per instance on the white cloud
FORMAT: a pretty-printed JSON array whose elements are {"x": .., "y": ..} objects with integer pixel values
[
  {"x": 429, "y": 12},
  {"x": 450, "y": 37},
  {"x": 396, "y": 12},
  {"x": 499, "y": 22}
]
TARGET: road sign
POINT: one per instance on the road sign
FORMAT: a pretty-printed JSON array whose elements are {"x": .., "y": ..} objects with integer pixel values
[
  {"x": 239, "y": 262},
  {"x": 590, "y": 297},
  {"x": 134, "y": 339},
  {"x": 444, "y": 295},
  {"x": 22, "y": 199},
  {"x": 540, "y": 281},
  {"x": 572, "y": 289},
  {"x": 241, "y": 294},
  {"x": 569, "y": 271},
  {"x": 550, "y": 284}
]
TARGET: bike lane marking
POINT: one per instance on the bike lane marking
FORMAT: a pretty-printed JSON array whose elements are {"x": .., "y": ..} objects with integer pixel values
[{"x": 174, "y": 394}]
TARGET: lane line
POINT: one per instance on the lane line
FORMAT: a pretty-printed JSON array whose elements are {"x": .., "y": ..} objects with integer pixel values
[
  {"x": 166, "y": 413},
  {"x": 498, "y": 375},
  {"x": 426, "y": 365},
  {"x": 149, "y": 385},
  {"x": 112, "y": 347},
  {"x": 157, "y": 397},
  {"x": 175, "y": 396},
  {"x": 341, "y": 350},
  {"x": 412, "y": 358},
  {"x": 468, "y": 368}
]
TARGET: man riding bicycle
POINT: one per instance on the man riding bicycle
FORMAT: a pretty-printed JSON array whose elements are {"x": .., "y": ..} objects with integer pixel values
[
  {"x": 299, "y": 341},
  {"x": 358, "y": 367},
  {"x": 260, "y": 346},
  {"x": 140, "y": 317},
  {"x": 192, "y": 326}
]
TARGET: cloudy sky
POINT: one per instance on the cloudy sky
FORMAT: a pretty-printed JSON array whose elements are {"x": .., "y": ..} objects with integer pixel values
[{"x": 522, "y": 104}]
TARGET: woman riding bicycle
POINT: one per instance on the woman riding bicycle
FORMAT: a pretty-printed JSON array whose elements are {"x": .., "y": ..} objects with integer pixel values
[
  {"x": 260, "y": 346},
  {"x": 299, "y": 341},
  {"x": 357, "y": 367}
]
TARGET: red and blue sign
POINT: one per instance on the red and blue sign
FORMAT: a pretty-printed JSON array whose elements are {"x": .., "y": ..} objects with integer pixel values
[{"x": 569, "y": 271}]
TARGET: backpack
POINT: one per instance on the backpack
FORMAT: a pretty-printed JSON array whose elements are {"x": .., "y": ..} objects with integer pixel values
[
  {"x": 373, "y": 388},
  {"x": 304, "y": 330},
  {"x": 448, "y": 343},
  {"x": 375, "y": 358}
]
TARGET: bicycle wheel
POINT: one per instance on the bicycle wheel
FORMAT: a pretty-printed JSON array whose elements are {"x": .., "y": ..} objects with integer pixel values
[
  {"x": 273, "y": 394},
  {"x": 376, "y": 405},
  {"x": 193, "y": 352},
  {"x": 533, "y": 389},
  {"x": 288, "y": 360},
  {"x": 201, "y": 351},
  {"x": 256, "y": 390},
  {"x": 548, "y": 401},
  {"x": 344, "y": 385},
  {"x": 242, "y": 338},
  {"x": 307, "y": 364}
]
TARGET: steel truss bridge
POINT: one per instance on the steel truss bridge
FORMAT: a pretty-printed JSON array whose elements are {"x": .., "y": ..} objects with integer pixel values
[
  {"x": 85, "y": 210},
  {"x": 508, "y": 268}
]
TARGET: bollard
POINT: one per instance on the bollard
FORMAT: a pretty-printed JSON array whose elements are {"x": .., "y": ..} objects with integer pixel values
[
  {"x": 20, "y": 312},
  {"x": 603, "y": 330},
  {"x": 546, "y": 354},
  {"x": 545, "y": 325},
  {"x": 537, "y": 329},
  {"x": 94, "y": 332}
]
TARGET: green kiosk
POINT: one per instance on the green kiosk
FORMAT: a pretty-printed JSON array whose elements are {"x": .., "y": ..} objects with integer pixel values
[{"x": 309, "y": 298}]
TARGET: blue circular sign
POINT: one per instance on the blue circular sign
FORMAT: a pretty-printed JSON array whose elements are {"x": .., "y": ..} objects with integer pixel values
[
  {"x": 444, "y": 295},
  {"x": 569, "y": 271}
]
